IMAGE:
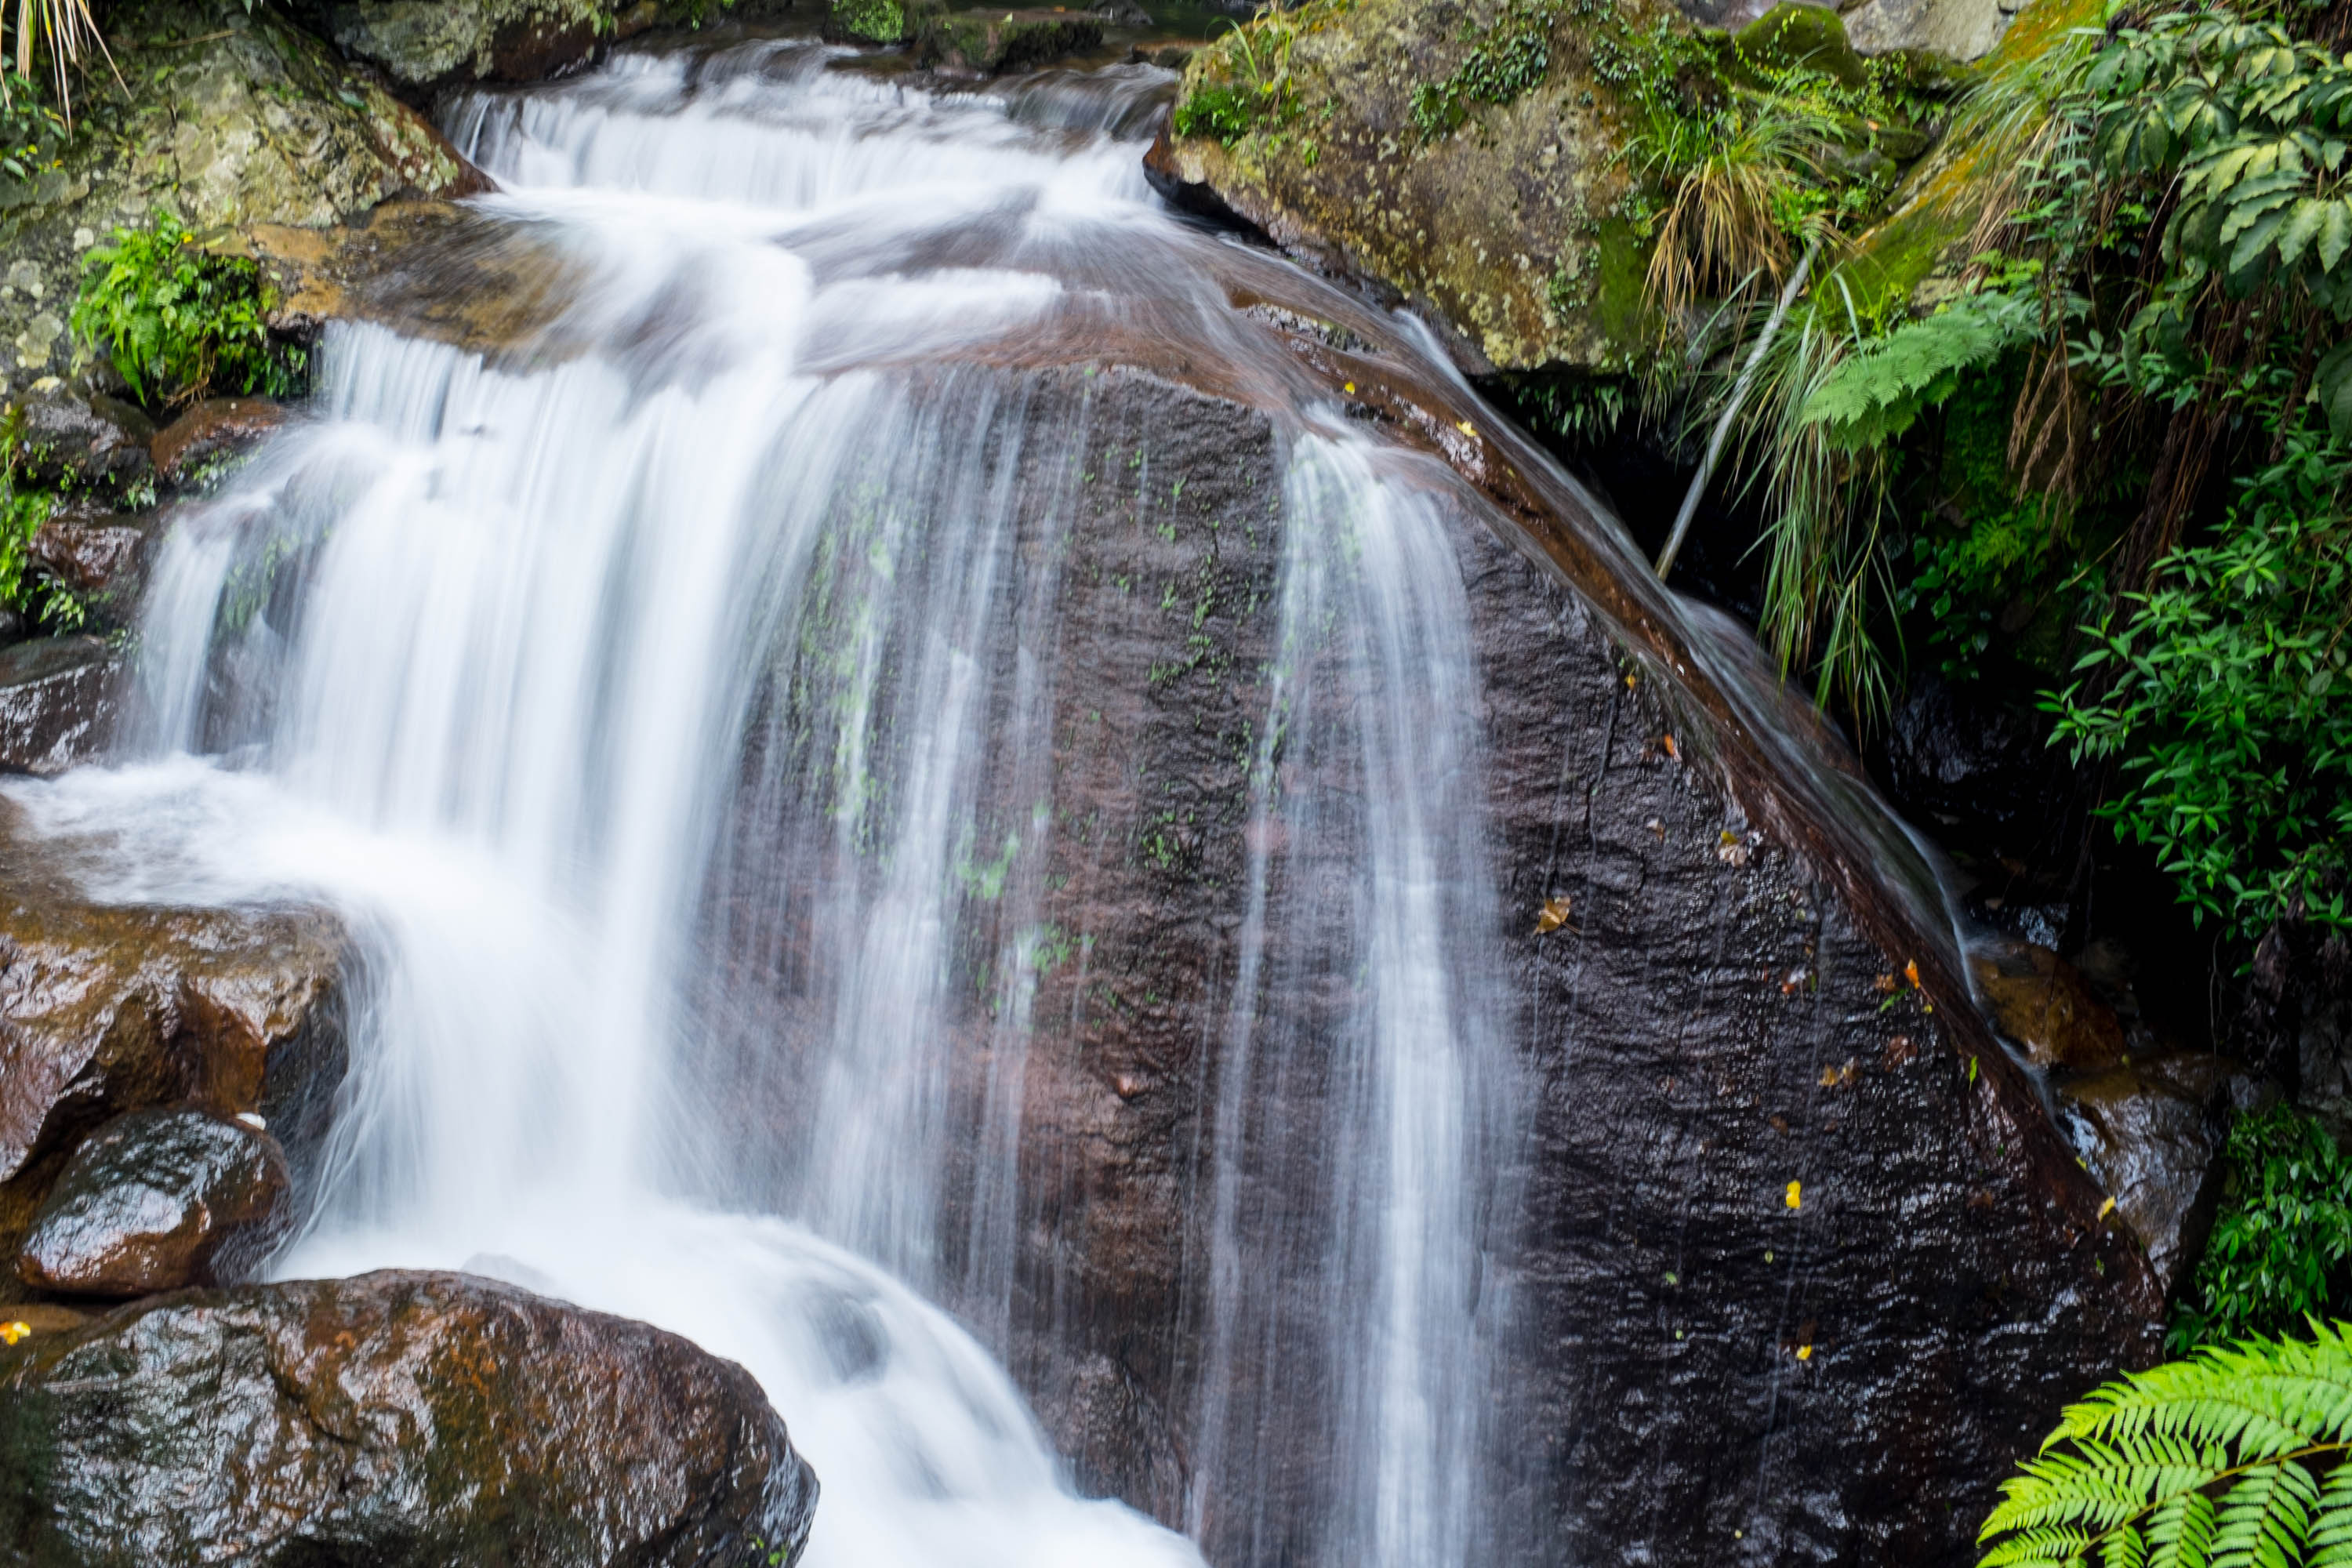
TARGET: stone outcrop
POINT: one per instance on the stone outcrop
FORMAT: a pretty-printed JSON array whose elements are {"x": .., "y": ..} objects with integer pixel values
[
  {"x": 159, "y": 1200},
  {"x": 993, "y": 42},
  {"x": 394, "y": 1420},
  {"x": 424, "y": 47},
  {"x": 1501, "y": 229},
  {"x": 216, "y": 428},
  {"x": 235, "y": 118},
  {"x": 57, "y": 703},
  {"x": 111, "y": 1008},
  {"x": 1777, "y": 1207}
]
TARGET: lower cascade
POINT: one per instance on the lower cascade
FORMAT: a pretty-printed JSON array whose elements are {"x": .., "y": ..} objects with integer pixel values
[{"x": 983, "y": 799}]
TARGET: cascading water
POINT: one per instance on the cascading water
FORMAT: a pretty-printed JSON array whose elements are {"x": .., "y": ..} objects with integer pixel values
[{"x": 725, "y": 636}]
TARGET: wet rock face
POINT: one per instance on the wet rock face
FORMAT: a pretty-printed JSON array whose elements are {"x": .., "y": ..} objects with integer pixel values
[
  {"x": 69, "y": 438},
  {"x": 397, "y": 1419},
  {"x": 216, "y": 428},
  {"x": 159, "y": 1200},
  {"x": 106, "y": 1009},
  {"x": 1709, "y": 1025},
  {"x": 2042, "y": 1003},
  {"x": 57, "y": 703},
  {"x": 2152, "y": 1133}
]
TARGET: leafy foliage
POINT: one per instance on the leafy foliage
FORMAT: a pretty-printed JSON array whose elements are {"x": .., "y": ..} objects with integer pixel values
[
  {"x": 181, "y": 324},
  {"x": 2251, "y": 122},
  {"x": 23, "y": 509},
  {"x": 2283, "y": 1238},
  {"x": 2233, "y": 1457},
  {"x": 30, "y": 131},
  {"x": 2230, "y": 702},
  {"x": 1249, "y": 87},
  {"x": 1877, "y": 392}
]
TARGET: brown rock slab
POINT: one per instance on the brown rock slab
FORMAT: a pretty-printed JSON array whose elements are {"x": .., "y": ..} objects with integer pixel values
[
  {"x": 98, "y": 557},
  {"x": 57, "y": 703},
  {"x": 2155, "y": 1127},
  {"x": 159, "y": 1200},
  {"x": 395, "y": 1418},
  {"x": 109, "y": 1008},
  {"x": 216, "y": 427},
  {"x": 2042, "y": 1003}
]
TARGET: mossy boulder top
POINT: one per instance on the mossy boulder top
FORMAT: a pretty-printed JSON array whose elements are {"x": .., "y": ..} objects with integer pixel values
[
  {"x": 225, "y": 119},
  {"x": 1506, "y": 226}
]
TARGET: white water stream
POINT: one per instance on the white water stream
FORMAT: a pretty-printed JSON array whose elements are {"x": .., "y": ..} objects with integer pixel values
[{"x": 475, "y": 655}]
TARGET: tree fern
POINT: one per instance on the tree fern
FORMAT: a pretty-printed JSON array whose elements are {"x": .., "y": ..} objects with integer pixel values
[{"x": 2234, "y": 1458}]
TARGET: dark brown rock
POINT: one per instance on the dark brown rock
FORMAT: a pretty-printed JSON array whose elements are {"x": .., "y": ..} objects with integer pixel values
[
  {"x": 2153, "y": 1130},
  {"x": 159, "y": 1200},
  {"x": 2041, "y": 1002},
  {"x": 57, "y": 703},
  {"x": 1708, "y": 1026},
  {"x": 216, "y": 427},
  {"x": 76, "y": 439},
  {"x": 109, "y": 1008},
  {"x": 399, "y": 1420},
  {"x": 98, "y": 557}
]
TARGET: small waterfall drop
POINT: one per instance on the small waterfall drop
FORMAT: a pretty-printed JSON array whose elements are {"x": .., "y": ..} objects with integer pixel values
[{"x": 674, "y": 723}]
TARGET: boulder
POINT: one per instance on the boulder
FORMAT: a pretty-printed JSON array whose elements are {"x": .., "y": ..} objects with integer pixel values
[
  {"x": 393, "y": 1419},
  {"x": 2042, "y": 1003},
  {"x": 238, "y": 117},
  {"x": 1709, "y": 1024},
  {"x": 214, "y": 428},
  {"x": 111, "y": 1008},
  {"x": 158, "y": 1200},
  {"x": 426, "y": 45},
  {"x": 98, "y": 556},
  {"x": 1503, "y": 230},
  {"x": 1961, "y": 30},
  {"x": 993, "y": 42},
  {"x": 76, "y": 439},
  {"x": 2151, "y": 1132},
  {"x": 57, "y": 703}
]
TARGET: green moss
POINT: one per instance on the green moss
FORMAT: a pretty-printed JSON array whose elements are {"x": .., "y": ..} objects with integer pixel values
[
  {"x": 1808, "y": 37},
  {"x": 1513, "y": 58}
]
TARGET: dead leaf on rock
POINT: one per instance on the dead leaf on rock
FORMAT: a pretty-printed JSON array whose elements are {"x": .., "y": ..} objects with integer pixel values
[
  {"x": 1553, "y": 915},
  {"x": 1900, "y": 1050},
  {"x": 1672, "y": 750}
]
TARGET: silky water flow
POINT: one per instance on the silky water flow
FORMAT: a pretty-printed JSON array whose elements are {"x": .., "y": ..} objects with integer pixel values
[{"x": 722, "y": 631}]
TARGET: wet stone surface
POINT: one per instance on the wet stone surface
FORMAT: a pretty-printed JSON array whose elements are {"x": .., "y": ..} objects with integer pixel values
[
  {"x": 109, "y": 1008},
  {"x": 394, "y": 1420},
  {"x": 57, "y": 703},
  {"x": 158, "y": 1200}
]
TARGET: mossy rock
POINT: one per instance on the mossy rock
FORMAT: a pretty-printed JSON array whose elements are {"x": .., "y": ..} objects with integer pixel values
[
  {"x": 1511, "y": 229},
  {"x": 1811, "y": 36},
  {"x": 993, "y": 42},
  {"x": 227, "y": 119}
]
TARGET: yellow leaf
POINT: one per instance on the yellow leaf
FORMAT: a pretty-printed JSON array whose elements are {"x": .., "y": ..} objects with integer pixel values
[
  {"x": 1465, "y": 427},
  {"x": 1552, "y": 916},
  {"x": 1349, "y": 386},
  {"x": 2106, "y": 1208},
  {"x": 1804, "y": 1352},
  {"x": 11, "y": 1333},
  {"x": 1672, "y": 750},
  {"x": 1911, "y": 973},
  {"x": 1796, "y": 1194}
]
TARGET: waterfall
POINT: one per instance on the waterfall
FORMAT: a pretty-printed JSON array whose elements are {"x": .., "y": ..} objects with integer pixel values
[{"x": 675, "y": 723}]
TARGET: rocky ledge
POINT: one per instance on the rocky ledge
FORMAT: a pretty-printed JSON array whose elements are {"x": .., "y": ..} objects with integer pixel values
[{"x": 393, "y": 1419}]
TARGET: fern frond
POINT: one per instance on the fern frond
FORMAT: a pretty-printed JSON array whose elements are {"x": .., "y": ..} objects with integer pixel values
[{"x": 2235, "y": 1457}]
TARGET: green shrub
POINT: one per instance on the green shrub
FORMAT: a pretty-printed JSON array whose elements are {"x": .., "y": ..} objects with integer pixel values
[
  {"x": 23, "y": 509},
  {"x": 2283, "y": 1235},
  {"x": 2234, "y": 1456},
  {"x": 2229, "y": 702},
  {"x": 181, "y": 324}
]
